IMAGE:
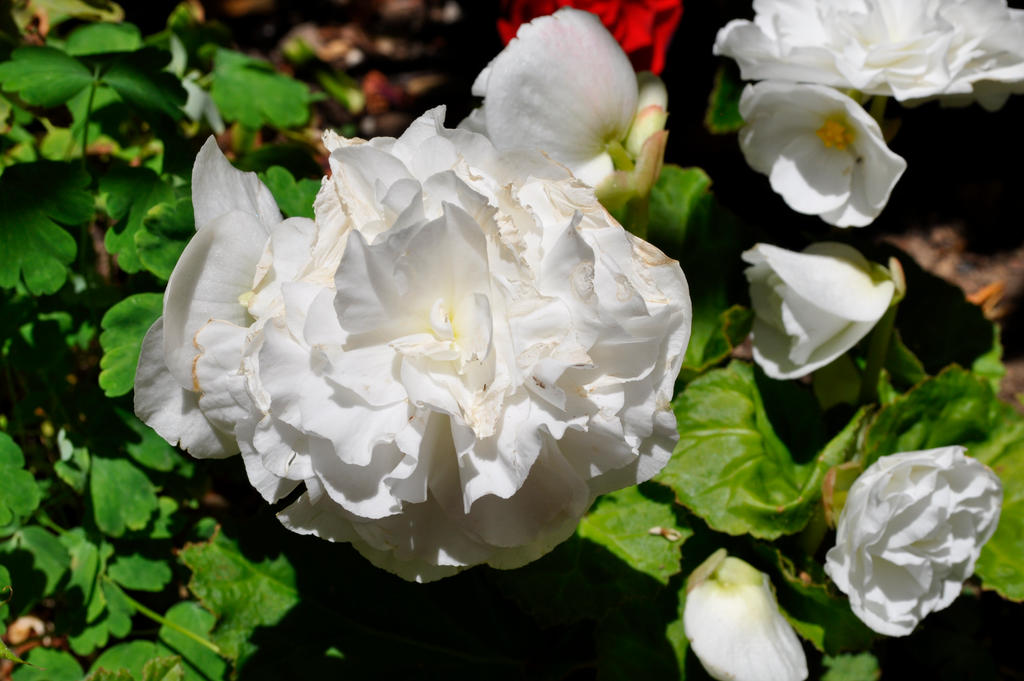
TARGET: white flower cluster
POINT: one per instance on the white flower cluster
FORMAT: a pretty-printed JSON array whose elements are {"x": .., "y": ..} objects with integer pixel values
[
  {"x": 453, "y": 360},
  {"x": 910, "y": 533},
  {"x": 821, "y": 150}
]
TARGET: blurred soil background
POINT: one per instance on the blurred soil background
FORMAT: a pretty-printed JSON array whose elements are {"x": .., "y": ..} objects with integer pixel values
[{"x": 957, "y": 210}]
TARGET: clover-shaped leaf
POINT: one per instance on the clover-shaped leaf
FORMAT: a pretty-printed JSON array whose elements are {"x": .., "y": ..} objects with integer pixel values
[{"x": 124, "y": 326}]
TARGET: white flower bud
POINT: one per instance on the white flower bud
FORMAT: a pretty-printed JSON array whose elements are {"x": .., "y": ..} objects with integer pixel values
[
  {"x": 910, "y": 534},
  {"x": 813, "y": 306},
  {"x": 735, "y": 627}
]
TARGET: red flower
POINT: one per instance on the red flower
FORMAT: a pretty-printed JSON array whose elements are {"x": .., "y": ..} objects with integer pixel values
[{"x": 642, "y": 27}]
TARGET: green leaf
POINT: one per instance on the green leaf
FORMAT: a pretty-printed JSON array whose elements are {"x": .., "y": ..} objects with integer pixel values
[
  {"x": 295, "y": 198},
  {"x": 102, "y": 37},
  {"x": 122, "y": 496},
  {"x": 140, "y": 573},
  {"x": 6, "y": 654},
  {"x": 44, "y": 76},
  {"x": 105, "y": 675},
  {"x": 6, "y": 589},
  {"x": 37, "y": 562},
  {"x": 87, "y": 560},
  {"x": 243, "y": 594},
  {"x": 73, "y": 468},
  {"x": 131, "y": 192},
  {"x": 723, "y": 112},
  {"x": 859, "y": 667},
  {"x": 19, "y": 493},
  {"x": 35, "y": 197},
  {"x": 687, "y": 223},
  {"x": 139, "y": 79},
  {"x": 49, "y": 665},
  {"x": 124, "y": 326},
  {"x": 167, "y": 229},
  {"x": 732, "y": 466},
  {"x": 128, "y": 657},
  {"x": 957, "y": 408},
  {"x": 250, "y": 91},
  {"x": 164, "y": 669},
  {"x": 149, "y": 449},
  {"x": 203, "y": 663},
  {"x": 86, "y": 10},
  {"x": 623, "y": 522}
]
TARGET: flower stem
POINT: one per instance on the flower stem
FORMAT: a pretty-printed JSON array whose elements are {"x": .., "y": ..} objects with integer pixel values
[
  {"x": 163, "y": 621},
  {"x": 88, "y": 112},
  {"x": 620, "y": 157},
  {"x": 878, "y": 348},
  {"x": 877, "y": 109}
]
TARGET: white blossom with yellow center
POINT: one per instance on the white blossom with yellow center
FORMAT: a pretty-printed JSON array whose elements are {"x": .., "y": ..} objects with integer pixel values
[{"x": 821, "y": 151}]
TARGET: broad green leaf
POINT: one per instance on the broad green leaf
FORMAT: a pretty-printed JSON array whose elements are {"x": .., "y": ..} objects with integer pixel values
[
  {"x": 723, "y": 112},
  {"x": 129, "y": 657},
  {"x": 956, "y": 408},
  {"x": 102, "y": 37},
  {"x": 251, "y": 92},
  {"x": 6, "y": 654},
  {"x": 48, "y": 665},
  {"x": 131, "y": 192},
  {"x": 203, "y": 663},
  {"x": 19, "y": 493},
  {"x": 35, "y": 197},
  {"x": 295, "y": 198},
  {"x": 105, "y": 675},
  {"x": 140, "y": 573},
  {"x": 124, "y": 326},
  {"x": 687, "y": 223},
  {"x": 123, "y": 498},
  {"x": 44, "y": 76},
  {"x": 638, "y": 525},
  {"x": 37, "y": 562},
  {"x": 149, "y": 449},
  {"x": 905, "y": 369},
  {"x": 167, "y": 229},
  {"x": 242, "y": 593},
  {"x": 732, "y": 465},
  {"x": 164, "y": 669},
  {"x": 87, "y": 560},
  {"x": 140, "y": 80},
  {"x": 859, "y": 667}
]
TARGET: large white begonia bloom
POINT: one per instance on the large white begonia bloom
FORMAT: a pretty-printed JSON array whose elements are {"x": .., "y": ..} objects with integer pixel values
[
  {"x": 454, "y": 360},
  {"x": 563, "y": 85},
  {"x": 907, "y": 49},
  {"x": 820, "y": 150},
  {"x": 910, "y": 534},
  {"x": 735, "y": 627},
  {"x": 813, "y": 306}
]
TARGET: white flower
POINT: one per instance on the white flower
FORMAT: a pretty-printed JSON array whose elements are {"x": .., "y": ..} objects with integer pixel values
[
  {"x": 735, "y": 627},
  {"x": 910, "y": 534},
  {"x": 820, "y": 150},
  {"x": 813, "y": 306},
  {"x": 454, "y": 360},
  {"x": 908, "y": 49},
  {"x": 563, "y": 85}
]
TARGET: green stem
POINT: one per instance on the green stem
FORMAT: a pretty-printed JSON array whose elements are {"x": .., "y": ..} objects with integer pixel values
[
  {"x": 88, "y": 112},
  {"x": 877, "y": 109},
  {"x": 620, "y": 157},
  {"x": 878, "y": 348},
  {"x": 163, "y": 621},
  {"x": 814, "y": 533}
]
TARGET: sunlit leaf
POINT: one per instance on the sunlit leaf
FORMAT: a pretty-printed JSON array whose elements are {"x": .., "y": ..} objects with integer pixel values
[{"x": 124, "y": 326}]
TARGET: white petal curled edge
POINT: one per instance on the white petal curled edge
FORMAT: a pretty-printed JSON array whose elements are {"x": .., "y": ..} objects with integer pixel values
[
  {"x": 569, "y": 111},
  {"x": 219, "y": 188},
  {"x": 217, "y": 267},
  {"x": 169, "y": 409}
]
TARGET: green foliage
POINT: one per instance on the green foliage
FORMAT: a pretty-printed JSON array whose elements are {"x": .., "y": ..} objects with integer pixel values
[
  {"x": 167, "y": 228},
  {"x": 688, "y": 224},
  {"x": 124, "y": 326},
  {"x": 742, "y": 468},
  {"x": 123, "y": 498},
  {"x": 141, "y": 573},
  {"x": 46, "y": 664},
  {"x": 295, "y": 198},
  {"x": 243, "y": 594},
  {"x": 33, "y": 246},
  {"x": 19, "y": 493},
  {"x": 131, "y": 192},
  {"x": 956, "y": 408},
  {"x": 859, "y": 667},
  {"x": 44, "y": 76},
  {"x": 101, "y": 38},
  {"x": 723, "y": 112},
  {"x": 249, "y": 91}
]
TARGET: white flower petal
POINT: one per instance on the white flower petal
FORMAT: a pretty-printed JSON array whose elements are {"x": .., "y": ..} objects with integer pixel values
[{"x": 218, "y": 189}]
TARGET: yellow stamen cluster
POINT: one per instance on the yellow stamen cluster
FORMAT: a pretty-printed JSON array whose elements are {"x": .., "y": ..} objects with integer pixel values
[{"x": 835, "y": 133}]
